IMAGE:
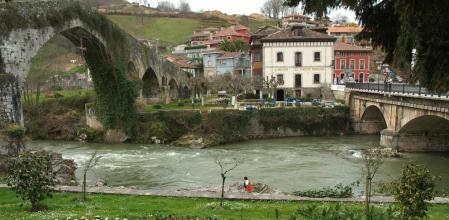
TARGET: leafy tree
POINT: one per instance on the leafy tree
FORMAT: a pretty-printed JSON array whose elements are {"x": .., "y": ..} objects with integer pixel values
[
  {"x": 399, "y": 26},
  {"x": 31, "y": 176},
  {"x": 413, "y": 189},
  {"x": 234, "y": 46}
]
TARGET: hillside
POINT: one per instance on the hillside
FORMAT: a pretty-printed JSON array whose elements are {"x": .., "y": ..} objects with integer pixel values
[{"x": 177, "y": 30}]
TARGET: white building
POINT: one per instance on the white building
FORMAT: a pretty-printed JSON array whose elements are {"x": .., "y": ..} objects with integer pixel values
[{"x": 300, "y": 59}]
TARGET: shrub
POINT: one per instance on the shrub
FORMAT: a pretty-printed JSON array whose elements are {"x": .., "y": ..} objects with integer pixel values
[
  {"x": 31, "y": 176},
  {"x": 180, "y": 104},
  {"x": 338, "y": 191},
  {"x": 413, "y": 189},
  {"x": 157, "y": 106},
  {"x": 15, "y": 134},
  {"x": 56, "y": 88},
  {"x": 339, "y": 212}
]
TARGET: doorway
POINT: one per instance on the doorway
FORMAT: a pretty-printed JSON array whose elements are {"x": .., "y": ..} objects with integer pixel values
[{"x": 280, "y": 95}]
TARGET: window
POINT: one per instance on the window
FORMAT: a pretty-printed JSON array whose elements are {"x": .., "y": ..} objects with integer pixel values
[
  {"x": 298, "y": 81},
  {"x": 316, "y": 78},
  {"x": 280, "y": 57},
  {"x": 280, "y": 79},
  {"x": 362, "y": 64},
  {"x": 257, "y": 57},
  {"x": 298, "y": 59},
  {"x": 317, "y": 56},
  {"x": 352, "y": 64},
  {"x": 342, "y": 64}
]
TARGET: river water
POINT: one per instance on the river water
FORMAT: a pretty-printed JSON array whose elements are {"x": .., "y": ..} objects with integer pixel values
[{"x": 287, "y": 164}]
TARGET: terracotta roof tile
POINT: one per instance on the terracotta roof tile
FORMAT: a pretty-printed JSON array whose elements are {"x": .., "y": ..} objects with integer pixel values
[
  {"x": 228, "y": 55},
  {"x": 340, "y": 46},
  {"x": 297, "y": 34},
  {"x": 344, "y": 29}
]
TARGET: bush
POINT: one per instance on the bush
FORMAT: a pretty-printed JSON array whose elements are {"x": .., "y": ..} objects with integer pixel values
[
  {"x": 56, "y": 88},
  {"x": 338, "y": 191},
  {"x": 339, "y": 212},
  {"x": 180, "y": 104},
  {"x": 157, "y": 106},
  {"x": 31, "y": 176},
  {"x": 413, "y": 189}
]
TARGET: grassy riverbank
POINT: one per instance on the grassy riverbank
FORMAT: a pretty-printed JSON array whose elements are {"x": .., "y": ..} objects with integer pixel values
[{"x": 64, "y": 205}]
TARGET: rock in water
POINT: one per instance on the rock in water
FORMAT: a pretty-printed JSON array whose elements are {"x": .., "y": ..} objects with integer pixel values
[
  {"x": 64, "y": 169},
  {"x": 100, "y": 183},
  {"x": 115, "y": 136}
]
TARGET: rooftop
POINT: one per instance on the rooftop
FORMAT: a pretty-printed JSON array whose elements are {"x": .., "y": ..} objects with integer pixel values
[
  {"x": 344, "y": 29},
  {"x": 183, "y": 61},
  {"x": 298, "y": 34},
  {"x": 340, "y": 46},
  {"x": 229, "y": 55}
]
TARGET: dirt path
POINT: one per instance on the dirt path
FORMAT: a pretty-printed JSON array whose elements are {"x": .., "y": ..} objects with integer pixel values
[{"x": 229, "y": 195}]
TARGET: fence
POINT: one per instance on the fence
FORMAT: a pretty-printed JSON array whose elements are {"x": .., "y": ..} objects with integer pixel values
[{"x": 396, "y": 88}]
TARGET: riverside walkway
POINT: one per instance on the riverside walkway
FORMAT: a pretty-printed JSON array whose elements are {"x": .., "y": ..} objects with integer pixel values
[{"x": 228, "y": 195}]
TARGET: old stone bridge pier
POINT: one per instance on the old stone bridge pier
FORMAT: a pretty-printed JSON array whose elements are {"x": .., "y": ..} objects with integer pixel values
[
  {"x": 27, "y": 26},
  {"x": 407, "y": 121}
]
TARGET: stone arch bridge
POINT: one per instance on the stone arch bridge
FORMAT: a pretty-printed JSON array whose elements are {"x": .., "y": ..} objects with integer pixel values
[
  {"x": 405, "y": 121},
  {"x": 26, "y": 26}
]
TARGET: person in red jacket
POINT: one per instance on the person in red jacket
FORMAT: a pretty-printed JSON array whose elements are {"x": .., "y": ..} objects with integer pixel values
[{"x": 247, "y": 185}]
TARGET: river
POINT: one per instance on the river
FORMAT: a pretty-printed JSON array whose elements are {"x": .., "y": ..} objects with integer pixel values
[{"x": 287, "y": 164}]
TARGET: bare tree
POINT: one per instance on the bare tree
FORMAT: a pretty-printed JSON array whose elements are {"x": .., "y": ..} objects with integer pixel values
[
  {"x": 91, "y": 163},
  {"x": 184, "y": 6},
  {"x": 225, "y": 168},
  {"x": 373, "y": 159},
  {"x": 166, "y": 6},
  {"x": 266, "y": 9}
]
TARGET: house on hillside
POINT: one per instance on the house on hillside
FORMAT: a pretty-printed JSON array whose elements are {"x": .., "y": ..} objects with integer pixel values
[
  {"x": 193, "y": 66},
  {"x": 221, "y": 63},
  {"x": 298, "y": 20},
  {"x": 300, "y": 59},
  {"x": 203, "y": 37},
  {"x": 346, "y": 34},
  {"x": 351, "y": 63},
  {"x": 256, "y": 54},
  {"x": 232, "y": 33}
]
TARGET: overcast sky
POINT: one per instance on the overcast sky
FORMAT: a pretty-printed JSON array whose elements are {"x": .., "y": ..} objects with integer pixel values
[{"x": 244, "y": 7}]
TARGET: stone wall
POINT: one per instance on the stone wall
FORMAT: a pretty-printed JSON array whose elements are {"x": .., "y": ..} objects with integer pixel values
[{"x": 10, "y": 103}]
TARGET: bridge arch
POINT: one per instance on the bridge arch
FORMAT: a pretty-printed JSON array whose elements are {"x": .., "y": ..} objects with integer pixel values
[
  {"x": 184, "y": 92},
  {"x": 173, "y": 88},
  {"x": 151, "y": 87},
  {"x": 424, "y": 133},
  {"x": 106, "y": 50},
  {"x": 372, "y": 120}
]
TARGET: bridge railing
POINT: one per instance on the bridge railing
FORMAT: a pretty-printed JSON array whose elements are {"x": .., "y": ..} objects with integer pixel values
[{"x": 399, "y": 88}]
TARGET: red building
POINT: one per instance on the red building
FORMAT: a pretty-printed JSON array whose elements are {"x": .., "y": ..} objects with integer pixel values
[
  {"x": 351, "y": 63},
  {"x": 232, "y": 33}
]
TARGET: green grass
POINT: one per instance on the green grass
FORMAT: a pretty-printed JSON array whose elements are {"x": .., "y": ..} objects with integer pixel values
[
  {"x": 64, "y": 205},
  {"x": 255, "y": 25},
  {"x": 64, "y": 93},
  {"x": 171, "y": 30}
]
